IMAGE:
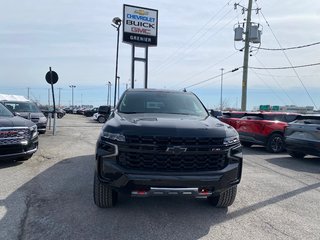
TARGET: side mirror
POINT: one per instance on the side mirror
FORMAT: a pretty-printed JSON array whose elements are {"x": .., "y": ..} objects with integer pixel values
[{"x": 215, "y": 114}]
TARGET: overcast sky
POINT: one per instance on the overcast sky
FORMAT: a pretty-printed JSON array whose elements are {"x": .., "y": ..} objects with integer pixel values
[{"x": 76, "y": 39}]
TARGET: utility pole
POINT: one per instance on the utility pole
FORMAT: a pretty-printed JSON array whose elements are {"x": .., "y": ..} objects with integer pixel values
[
  {"x": 59, "y": 96},
  {"x": 28, "y": 93},
  {"x": 49, "y": 97},
  {"x": 221, "y": 89},
  {"x": 72, "y": 87},
  {"x": 246, "y": 59}
]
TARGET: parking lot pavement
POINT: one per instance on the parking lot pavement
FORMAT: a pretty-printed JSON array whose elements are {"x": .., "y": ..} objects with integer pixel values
[{"x": 50, "y": 197}]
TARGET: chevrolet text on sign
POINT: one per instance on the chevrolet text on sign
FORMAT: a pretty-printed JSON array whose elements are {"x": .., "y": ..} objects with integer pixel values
[{"x": 140, "y": 25}]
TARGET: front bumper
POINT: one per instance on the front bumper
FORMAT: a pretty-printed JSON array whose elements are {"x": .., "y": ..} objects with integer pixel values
[
  {"x": 17, "y": 151},
  {"x": 110, "y": 172},
  {"x": 41, "y": 127},
  {"x": 303, "y": 146}
]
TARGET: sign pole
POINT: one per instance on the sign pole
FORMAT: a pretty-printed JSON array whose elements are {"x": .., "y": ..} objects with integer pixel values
[
  {"x": 54, "y": 103},
  {"x": 132, "y": 66},
  {"x": 140, "y": 29},
  {"x": 52, "y": 78},
  {"x": 146, "y": 69}
]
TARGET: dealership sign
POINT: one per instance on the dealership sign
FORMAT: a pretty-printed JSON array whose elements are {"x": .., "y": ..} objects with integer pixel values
[{"x": 140, "y": 25}]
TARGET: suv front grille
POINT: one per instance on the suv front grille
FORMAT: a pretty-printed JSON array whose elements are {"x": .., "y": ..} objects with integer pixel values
[
  {"x": 177, "y": 163},
  {"x": 150, "y": 153},
  {"x": 10, "y": 136},
  {"x": 162, "y": 140}
]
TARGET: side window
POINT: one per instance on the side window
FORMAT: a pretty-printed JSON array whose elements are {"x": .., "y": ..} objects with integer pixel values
[
  {"x": 10, "y": 106},
  {"x": 290, "y": 118},
  {"x": 279, "y": 118},
  {"x": 251, "y": 118}
]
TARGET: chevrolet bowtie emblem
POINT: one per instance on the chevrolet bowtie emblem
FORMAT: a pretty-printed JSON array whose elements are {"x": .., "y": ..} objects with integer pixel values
[
  {"x": 176, "y": 150},
  {"x": 141, "y": 12}
]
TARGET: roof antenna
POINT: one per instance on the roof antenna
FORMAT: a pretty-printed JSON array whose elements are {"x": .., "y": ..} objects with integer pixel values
[{"x": 184, "y": 90}]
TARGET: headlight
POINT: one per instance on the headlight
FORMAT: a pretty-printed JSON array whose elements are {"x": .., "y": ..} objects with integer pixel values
[
  {"x": 231, "y": 140},
  {"x": 114, "y": 136},
  {"x": 232, "y": 136},
  {"x": 34, "y": 131},
  {"x": 42, "y": 119}
]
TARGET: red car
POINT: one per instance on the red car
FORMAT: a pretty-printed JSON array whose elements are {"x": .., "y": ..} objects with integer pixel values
[
  {"x": 264, "y": 128},
  {"x": 231, "y": 117}
]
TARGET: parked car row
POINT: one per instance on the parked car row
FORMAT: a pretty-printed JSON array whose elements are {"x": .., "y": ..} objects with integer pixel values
[
  {"x": 277, "y": 131},
  {"x": 47, "y": 110},
  {"x": 100, "y": 114},
  {"x": 20, "y": 122}
]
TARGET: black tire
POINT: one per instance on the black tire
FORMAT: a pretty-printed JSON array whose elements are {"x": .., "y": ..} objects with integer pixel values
[
  {"x": 59, "y": 115},
  {"x": 224, "y": 199},
  {"x": 101, "y": 119},
  {"x": 296, "y": 154},
  {"x": 246, "y": 144},
  {"x": 104, "y": 196},
  {"x": 275, "y": 143}
]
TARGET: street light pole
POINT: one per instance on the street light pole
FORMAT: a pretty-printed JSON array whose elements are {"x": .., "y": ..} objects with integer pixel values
[
  {"x": 72, "y": 87},
  {"x": 117, "y": 24},
  {"x": 109, "y": 94},
  {"x": 221, "y": 89},
  {"x": 118, "y": 87}
]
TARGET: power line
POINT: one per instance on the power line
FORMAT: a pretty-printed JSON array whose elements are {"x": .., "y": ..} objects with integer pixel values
[
  {"x": 268, "y": 86},
  {"x": 274, "y": 79},
  {"x": 284, "y": 76},
  {"x": 209, "y": 79},
  {"x": 288, "y": 67},
  {"x": 188, "y": 49},
  {"x": 218, "y": 81},
  {"x": 181, "y": 58},
  {"x": 185, "y": 47},
  {"x": 288, "y": 48},
  {"x": 286, "y": 56},
  {"x": 206, "y": 69}
]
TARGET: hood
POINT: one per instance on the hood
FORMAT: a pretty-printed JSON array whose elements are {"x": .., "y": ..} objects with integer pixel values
[
  {"x": 15, "y": 122},
  {"x": 32, "y": 114},
  {"x": 166, "y": 125}
]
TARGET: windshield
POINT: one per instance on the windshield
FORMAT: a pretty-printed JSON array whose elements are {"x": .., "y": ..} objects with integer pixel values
[
  {"x": 162, "y": 102},
  {"x": 4, "y": 112},
  {"x": 22, "y": 106}
]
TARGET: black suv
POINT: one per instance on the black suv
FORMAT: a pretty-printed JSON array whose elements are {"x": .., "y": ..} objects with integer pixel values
[
  {"x": 302, "y": 137},
  {"x": 161, "y": 142},
  {"x": 18, "y": 136},
  {"x": 103, "y": 113}
]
